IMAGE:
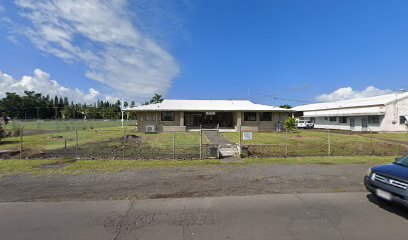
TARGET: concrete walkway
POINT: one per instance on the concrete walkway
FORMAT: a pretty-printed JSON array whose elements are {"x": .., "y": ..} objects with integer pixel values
[
  {"x": 286, "y": 216},
  {"x": 216, "y": 138}
]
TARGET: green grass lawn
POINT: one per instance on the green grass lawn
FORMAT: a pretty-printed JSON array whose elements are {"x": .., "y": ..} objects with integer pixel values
[
  {"x": 56, "y": 140},
  {"x": 36, "y": 167},
  {"x": 391, "y": 136},
  {"x": 314, "y": 143},
  {"x": 107, "y": 143}
]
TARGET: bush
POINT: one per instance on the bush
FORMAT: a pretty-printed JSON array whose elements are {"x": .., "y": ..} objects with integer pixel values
[
  {"x": 2, "y": 133},
  {"x": 290, "y": 123},
  {"x": 16, "y": 130}
]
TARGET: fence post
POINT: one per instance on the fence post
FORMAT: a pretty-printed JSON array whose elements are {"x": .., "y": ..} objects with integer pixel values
[
  {"x": 123, "y": 143},
  {"x": 76, "y": 148},
  {"x": 329, "y": 143},
  {"x": 240, "y": 139},
  {"x": 21, "y": 143},
  {"x": 286, "y": 142},
  {"x": 174, "y": 144},
  {"x": 218, "y": 141},
  {"x": 371, "y": 142},
  {"x": 201, "y": 142}
]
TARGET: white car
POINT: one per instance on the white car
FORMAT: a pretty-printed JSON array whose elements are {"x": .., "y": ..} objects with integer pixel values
[{"x": 305, "y": 124}]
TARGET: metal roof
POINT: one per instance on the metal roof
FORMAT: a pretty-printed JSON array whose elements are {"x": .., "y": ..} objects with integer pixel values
[
  {"x": 207, "y": 105},
  {"x": 363, "y": 111},
  {"x": 353, "y": 103}
]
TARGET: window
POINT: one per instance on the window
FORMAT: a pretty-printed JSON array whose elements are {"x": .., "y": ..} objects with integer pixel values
[
  {"x": 403, "y": 119},
  {"x": 333, "y": 119},
  {"x": 326, "y": 118},
  {"x": 150, "y": 117},
  {"x": 265, "y": 116},
  {"x": 167, "y": 116},
  {"x": 374, "y": 119},
  {"x": 312, "y": 119},
  {"x": 249, "y": 116},
  {"x": 342, "y": 119}
]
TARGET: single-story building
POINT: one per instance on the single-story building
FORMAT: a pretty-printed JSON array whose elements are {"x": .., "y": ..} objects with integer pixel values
[
  {"x": 227, "y": 115},
  {"x": 379, "y": 114}
]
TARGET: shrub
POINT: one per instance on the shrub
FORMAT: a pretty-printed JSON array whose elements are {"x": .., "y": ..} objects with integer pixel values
[
  {"x": 290, "y": 123},
  {"x": 2, "y": 133},
  {"x": 16, "y": 130}
]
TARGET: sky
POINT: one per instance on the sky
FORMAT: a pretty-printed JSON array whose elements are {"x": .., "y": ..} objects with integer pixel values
[{"x": 268, "y": 51}]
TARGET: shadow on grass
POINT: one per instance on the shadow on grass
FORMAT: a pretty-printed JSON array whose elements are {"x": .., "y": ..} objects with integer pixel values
[
  {"x": 6, "y": 142},
  {"x": 389, "y": 206}
]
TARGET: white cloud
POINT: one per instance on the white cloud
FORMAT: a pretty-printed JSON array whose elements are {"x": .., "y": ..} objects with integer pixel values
[
  {"x": 12, "y": 39},
  {"x": 101, "y": 35},
  {"x": 41, "y": 82},
  {"x": 349, "y": 93}
]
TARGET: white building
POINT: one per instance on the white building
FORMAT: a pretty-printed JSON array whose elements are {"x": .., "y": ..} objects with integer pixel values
[{"x": 382, "y": 113}]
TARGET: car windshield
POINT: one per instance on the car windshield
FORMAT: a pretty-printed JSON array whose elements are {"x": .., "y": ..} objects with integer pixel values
[
  {"x": 301, "y": 121},
  {"x": 403, "y": 161}
]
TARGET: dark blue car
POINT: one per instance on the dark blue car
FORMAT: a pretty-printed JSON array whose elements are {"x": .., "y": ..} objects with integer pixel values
[{"x": 389, "y": 182}]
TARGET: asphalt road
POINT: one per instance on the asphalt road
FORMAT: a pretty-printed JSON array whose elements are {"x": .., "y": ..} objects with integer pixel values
[{"x": 279, "y": 216}]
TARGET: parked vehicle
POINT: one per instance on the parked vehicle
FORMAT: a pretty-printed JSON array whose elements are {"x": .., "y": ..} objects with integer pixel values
[
  {"x": 305, "y": 124},
  {"x": 389, "y": 182}
]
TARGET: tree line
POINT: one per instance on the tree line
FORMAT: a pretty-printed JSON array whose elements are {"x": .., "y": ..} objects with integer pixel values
[{"x": 34, "y": 105}]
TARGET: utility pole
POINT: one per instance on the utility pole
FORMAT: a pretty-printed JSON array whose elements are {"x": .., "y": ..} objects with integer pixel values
[{"x": 121, "y": 109}]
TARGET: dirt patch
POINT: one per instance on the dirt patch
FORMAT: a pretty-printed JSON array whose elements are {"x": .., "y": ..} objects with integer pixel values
[
  {"x": 51, "y": 166},
  {"x": 303, "y": 137},
  {"x": 204, "y": 177}
]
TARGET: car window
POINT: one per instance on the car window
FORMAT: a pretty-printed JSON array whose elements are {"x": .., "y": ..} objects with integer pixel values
[{"x": 403, "y": 161}]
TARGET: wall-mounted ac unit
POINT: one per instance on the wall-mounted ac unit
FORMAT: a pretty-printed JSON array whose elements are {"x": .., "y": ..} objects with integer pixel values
[{"x": 150, "y": 128}]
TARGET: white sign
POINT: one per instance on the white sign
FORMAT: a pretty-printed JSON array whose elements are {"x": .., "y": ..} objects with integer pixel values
[
  {"x": 210, "y": 113},
  {"x": 247, "y": 135}
]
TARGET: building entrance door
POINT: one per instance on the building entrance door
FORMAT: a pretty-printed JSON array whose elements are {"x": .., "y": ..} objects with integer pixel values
[
  {"x": 352, "y": 123},
  {"x": 364, "y": 124}
]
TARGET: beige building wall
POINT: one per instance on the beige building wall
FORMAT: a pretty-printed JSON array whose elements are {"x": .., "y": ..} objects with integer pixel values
[{"x": 154, "y": 118}]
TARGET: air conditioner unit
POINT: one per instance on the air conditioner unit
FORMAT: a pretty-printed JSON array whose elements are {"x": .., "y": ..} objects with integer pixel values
[{"x": 150, "y": 128}]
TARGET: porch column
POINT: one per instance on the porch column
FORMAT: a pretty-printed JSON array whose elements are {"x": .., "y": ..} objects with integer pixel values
[
  {"x": 181, "y": 119},
  {"x": 239, "y": 118}
]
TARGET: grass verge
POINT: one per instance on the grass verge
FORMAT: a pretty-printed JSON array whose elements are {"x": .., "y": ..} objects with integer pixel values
[{"x": 65, "y": 166}]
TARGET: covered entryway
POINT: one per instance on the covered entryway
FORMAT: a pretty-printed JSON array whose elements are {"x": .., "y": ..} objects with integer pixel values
[{"x": 208, "y": 120}]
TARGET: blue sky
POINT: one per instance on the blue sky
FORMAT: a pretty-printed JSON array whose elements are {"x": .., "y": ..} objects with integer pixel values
[{"x": 206, "y": 49}]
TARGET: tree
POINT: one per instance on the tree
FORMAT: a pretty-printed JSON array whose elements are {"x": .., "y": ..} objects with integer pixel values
[
  {"x": 287, "y": 106},
  {"x": 132, "y": 104},
  {"x": 290, "y": 123},
  {"x": 157, "y": 98}
]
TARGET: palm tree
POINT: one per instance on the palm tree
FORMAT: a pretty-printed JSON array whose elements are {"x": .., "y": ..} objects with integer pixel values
[{"x": 157, "y": 98}]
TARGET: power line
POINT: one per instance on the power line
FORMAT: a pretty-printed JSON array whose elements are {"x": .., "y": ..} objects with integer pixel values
[{"x": 279, "y": 98}]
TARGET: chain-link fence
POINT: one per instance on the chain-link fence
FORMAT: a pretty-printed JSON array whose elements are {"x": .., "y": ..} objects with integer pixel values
[
  {"x": 309, "y": 143},
  {"x": 109, "y": 140},
  {"x": 103, "y": 141}
]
